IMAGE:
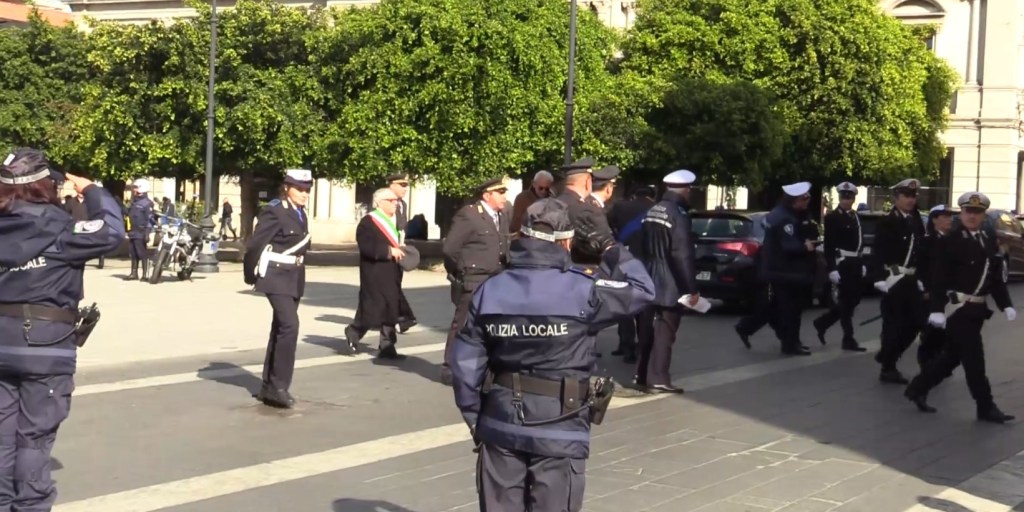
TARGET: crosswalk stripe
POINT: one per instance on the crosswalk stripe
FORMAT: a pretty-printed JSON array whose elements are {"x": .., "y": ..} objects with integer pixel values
[
  {"x": 184, "y": 378},
  {"x": 202, "y": 487}
]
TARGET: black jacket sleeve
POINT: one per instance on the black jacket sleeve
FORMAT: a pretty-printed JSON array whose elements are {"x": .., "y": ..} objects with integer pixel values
[{"x": 684, "y": 259}]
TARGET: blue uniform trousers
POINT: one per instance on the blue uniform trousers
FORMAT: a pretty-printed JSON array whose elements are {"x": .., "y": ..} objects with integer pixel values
[{"x": 32, "y": 408}]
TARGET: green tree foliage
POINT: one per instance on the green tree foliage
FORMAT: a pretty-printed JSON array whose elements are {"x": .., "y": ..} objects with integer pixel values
[
  {"x": 728, "y": 133},
  {"x": 42, "y": 69},
  {"x": 459, "y": 90},
  {"x": 859, "y": 95}
]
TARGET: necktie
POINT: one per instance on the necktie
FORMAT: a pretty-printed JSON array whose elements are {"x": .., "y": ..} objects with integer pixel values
[
  {"x": 301, "y": 216},
  {"x": 494, "y": 217}
]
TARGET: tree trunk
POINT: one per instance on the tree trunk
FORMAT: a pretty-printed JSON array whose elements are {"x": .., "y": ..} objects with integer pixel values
[{"x": 250, "y": 202}]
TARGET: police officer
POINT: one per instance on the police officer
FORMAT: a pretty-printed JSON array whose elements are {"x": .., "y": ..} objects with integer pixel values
[
  {"x": 274, "y": 263},
  {"x": 844, "y": 240},
  {"x": 140, "y": 218},
  {"x": 897, "y": 249},
  {"x": 476, "y": 248},
  {"x": 940, "y": 223},
  {"x": 966, "y": 269},
  {"x": 399, "y": 184},
  {"x": 522, "y": 364},
  {"x": 604, "y": 188},
  {"x": 783, "y": 266},
  {"x": 585, "y": 215},
  {"x": 41, "y": 271},
  {"x": 626, "y": 218},
  {"x": 668, "y": 252}
]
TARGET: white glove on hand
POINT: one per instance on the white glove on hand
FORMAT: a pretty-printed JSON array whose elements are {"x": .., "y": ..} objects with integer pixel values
[
  {"x": 920, "y": 285},
  {"x": 863, "y": 271},
  {"x": 882, "y": 287},
  {"x": 937, "y": 320},
  {"x": 1011, "y": 314},
  {"x": 834, "y": 276}
]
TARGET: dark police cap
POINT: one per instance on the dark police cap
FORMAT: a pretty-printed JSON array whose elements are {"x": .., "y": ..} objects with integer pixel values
[
  {"x": 583, "y": 165},
  {"x": 411, "y": 261},
  {"x": 606, "y": 174},
  {"x": 27, "y": 165},
  {"x": 398, "y": 176},
  {"x": 493, "y": 184},
  {"x": 548, "y": 219}
]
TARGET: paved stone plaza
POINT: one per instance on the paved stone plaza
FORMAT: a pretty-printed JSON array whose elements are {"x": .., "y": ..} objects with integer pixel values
[{"x": 163, "y": 417}]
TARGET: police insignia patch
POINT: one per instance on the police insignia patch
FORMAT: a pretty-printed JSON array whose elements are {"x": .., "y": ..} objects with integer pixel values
[
  {"x": 788, "y": 228},
  {"x": 611, "y": 284},
  {"x": 86, "y": 227}
]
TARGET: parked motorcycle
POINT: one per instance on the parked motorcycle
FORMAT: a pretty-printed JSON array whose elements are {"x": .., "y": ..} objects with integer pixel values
[{"x": 179, "y": 249}]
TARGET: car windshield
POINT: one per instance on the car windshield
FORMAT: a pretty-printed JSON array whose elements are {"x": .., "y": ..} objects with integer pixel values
[{"x": 727, "y": 226}]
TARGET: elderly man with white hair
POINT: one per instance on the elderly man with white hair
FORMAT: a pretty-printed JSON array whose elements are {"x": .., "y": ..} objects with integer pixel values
[
  {"x": 383, "y": 257},
  {"x": 540, "y": 189}
]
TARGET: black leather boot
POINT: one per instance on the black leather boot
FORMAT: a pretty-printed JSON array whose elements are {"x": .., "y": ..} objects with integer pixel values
[
  {"x": 135, "y": 271},
  {"x": 992, "y": 414},
  {"x": 145, "y": 270},
  {"x": 919, "y": 399},
  {"x": 892, "y": 376},
  {"x": 852, "y": 345},
  {"x": 279, "y": 398}
]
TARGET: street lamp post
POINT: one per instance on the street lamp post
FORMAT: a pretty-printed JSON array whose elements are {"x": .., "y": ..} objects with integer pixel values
[
  {"x": 207, "y": 262},
  {"x": 570, "y": 83}
]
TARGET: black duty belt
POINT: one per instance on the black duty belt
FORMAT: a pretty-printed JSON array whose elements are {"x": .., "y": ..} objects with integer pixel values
[
  {"x": 37, "y": 312},
  {"x": 566, "y": 388}
]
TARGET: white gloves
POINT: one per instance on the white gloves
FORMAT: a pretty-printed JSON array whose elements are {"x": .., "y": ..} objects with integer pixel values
[
  {"x": 834, "y": 276},
  {"x": 882, "y": 287},
  {"x": 863, "y": 271},
  {"x": 937, "y": 320},
  {"x": 920, "y": 285},
  {"x": 1011, "y": 314}
]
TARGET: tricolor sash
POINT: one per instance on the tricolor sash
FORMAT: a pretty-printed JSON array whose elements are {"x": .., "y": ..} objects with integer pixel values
[{"x": 387, "y": 227}]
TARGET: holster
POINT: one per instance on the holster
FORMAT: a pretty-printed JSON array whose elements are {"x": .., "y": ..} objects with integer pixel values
[
  {"x": 575, "y": 395},
  {"x": 87, "y": 320},
  {"x": 601, "y": 391}
]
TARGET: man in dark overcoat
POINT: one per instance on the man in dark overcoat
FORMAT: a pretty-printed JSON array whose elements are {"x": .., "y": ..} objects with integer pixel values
[{"x": 381, "y": 301}]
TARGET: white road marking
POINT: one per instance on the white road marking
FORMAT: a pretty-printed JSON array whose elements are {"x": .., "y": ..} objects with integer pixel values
[
  {"x": 997, "y": 489},
  {"x": 959, "y": 500},
  {"x": 183, "y": 378},
  {"x": 202, "y": 487}
]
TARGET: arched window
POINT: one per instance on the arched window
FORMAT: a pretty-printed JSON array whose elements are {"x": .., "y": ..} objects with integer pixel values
[{"x": 917, "y": 10}]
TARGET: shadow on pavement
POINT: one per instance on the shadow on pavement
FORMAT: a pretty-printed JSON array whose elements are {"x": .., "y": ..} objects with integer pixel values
[
  {"x": 413, "y": 364},
  {"x": 432, "y": 305},
  {"x": 354, "y": 505},
  {"x": 941, "y": 504},
  {"x": 245, "y": 381}
]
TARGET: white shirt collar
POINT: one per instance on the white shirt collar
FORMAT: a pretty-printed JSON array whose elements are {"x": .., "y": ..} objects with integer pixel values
[
  {"x": 598, "y": 199},
  {"x": 490, "y": 210}
]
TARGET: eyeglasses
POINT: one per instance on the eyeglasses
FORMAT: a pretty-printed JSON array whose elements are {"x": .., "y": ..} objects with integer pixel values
[
  {"x": 391, "y": 200},
  {"x": 402, "y": 184},
  {"x": 543, "y": 189}
]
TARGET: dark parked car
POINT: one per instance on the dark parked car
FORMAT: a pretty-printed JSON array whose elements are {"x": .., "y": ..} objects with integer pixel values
[{"x": 727, "y": 245}]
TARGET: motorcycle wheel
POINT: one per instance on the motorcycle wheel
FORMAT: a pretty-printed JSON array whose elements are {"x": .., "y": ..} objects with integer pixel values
[{"x": 158, "y": 265}]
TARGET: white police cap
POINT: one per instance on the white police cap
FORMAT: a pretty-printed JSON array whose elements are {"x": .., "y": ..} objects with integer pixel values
[
  {"x": 298, "y": 177},
  {"x": 680, "y": 178},
  {"x": 939, "y": 210},
  {"x": 797, "y": 189},
  {"x": 974, "y": 200},
  {"x": 846, "y": 186},
  {"x": 907, "y": 184},
  {"x": 142, "y": 185}
]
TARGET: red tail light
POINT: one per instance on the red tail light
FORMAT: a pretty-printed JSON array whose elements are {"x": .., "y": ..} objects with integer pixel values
[{"x": 748, "y": 249}]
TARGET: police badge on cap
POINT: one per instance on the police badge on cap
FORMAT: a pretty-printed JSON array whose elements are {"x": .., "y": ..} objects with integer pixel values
[
  {"x": 27, "y": 165},
  {"x": 974, "y": 200}
]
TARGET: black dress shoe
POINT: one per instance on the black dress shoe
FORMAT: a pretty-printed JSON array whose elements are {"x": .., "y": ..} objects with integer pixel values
[
  {"x": 820, "y": 331},
  {"x": 446, "y": 375},
  {"x": 920, "y": 400},
  {"x": 992, "y": 414},
  {"x": 279, "y": 398},
  {"x": 351, "y": 339},
  {"x": 853, "y": 346},
  {"x": 799, "y": 351},
  {"x": 390, "y": 353},
  {"x": 618, "y": 352},
  {"x": 745, "y": 338},
  {"x": 658, "y": 389},
  {"x": 893, "y": 377},
  {"x": 629, "y": 358},
  {"x": 405, "y": 324}
]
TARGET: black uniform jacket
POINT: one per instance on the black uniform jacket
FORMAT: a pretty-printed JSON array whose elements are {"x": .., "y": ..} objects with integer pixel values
[
  {"x": 897, "y": 242},
  {"x": 842, "y": 233},
  {"x": 587, "y": 247},
  {"x": 381, "y": 301},
  {"x": 475, "y": 248},
  {"x": 958, "y": 264},
  {"x": 280, "y": 227},
  {"x": 667, "y": 250}
]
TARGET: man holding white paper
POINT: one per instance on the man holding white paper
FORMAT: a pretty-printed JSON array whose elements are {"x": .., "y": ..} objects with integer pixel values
[{"x": 668, "y": 253}]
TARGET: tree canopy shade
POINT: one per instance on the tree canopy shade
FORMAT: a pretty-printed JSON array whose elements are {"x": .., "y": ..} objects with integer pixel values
[
  {"x": 42, "y": 69},
  {"x": 858, "y": 94},
  {"x": 460, "y": 90}
]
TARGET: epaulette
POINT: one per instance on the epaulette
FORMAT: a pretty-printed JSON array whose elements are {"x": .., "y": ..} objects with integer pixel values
[
  {"x": 274, "y": 202},
  {"x": 583, "y": 271},
  {"x": 479, "y": 208}
]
